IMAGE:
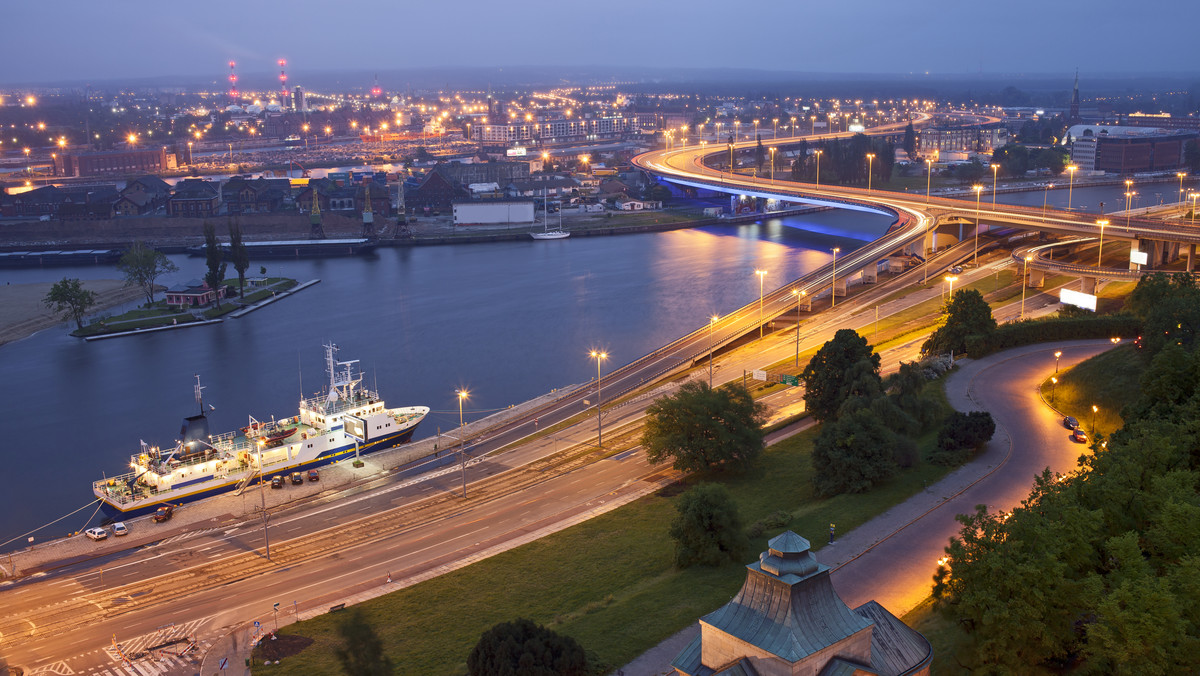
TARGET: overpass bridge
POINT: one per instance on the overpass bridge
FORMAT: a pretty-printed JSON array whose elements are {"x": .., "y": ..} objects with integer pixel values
[{"x": 925, "y": 223}]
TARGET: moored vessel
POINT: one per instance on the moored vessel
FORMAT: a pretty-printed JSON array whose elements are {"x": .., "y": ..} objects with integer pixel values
[{"x": 343, "y": 422}]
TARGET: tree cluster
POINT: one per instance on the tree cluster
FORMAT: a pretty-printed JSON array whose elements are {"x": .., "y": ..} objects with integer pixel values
[
  {"x": 524, "y": 648},
  {"x": 1099, "y": 570},
  {"x": 142, "y": 266},
  {"x": 700, "y": 428},
  {"x": 865, "y": 436},
  {"x": 968, "y": 314},
  {"x": 214, "y": 260},
  {"x": 69, "y": 298},
  {"x": 1015, "y": 160},
  {"x": 845, "y": 161}
]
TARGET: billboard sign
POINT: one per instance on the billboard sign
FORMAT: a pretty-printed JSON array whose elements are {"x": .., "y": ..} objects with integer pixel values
[
  {"x": 1138, "y": 257},
  {"x": 1083, "y": 300},
  {"x": 355, "y": 427},
  {"x": 515, "y": 152}
]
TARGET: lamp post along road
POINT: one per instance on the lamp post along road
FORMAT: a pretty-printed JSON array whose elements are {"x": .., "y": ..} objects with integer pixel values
[
  {"x": 870, "y": 164},
  {"x": 975, "y": 258},
  {"x": 599, "y": 357},
  {"x": 995, "y": 173},
  {"x": 462, "y": 455},
  {"x": 833, "y": 280},
  {"x": 1100, "y": 255},
  {"x": 1045, "y": 196},
  {"x": 818, "y": 154},
  {"x": 712, "y": 321},
  {"x": 928, "y": 178},
  {"x": 798, "y": 294},
  {"x": 761, "y": 274},
  {"x": 1057, "y": 356},
  {"x": 1071, "y": 186},
  {"x": 1024, "y": 284}
]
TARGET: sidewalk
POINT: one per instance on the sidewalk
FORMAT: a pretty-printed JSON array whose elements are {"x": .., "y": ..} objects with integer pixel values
[{"x": 860, "y": 542}]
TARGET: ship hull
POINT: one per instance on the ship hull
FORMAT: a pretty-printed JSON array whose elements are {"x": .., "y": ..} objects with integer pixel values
[{"x": 214, "y": 487}]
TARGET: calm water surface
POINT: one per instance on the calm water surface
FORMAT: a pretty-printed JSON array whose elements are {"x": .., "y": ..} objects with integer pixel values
[{"x": 508, "y": 321}]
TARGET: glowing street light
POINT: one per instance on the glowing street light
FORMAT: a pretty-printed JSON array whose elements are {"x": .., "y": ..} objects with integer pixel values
[
  {"x": 1100, "y": 256},
  {"x": 798, "y": 293},
  {"x": 870, "y": 164},
  {"x": 1024, "y": 284},
  {"x": 995, "y": 173},
  {"x": 952, "y": 279},
  {"x": 978, "y": 189},
  {"x": 817, "y": 152},
  {"x": 833, "y": 280},
  {"x": 772, "y": 149},
  {"x": 462, "y": 394},
  {"x": 1095, "y": 409},
  {"x": 712, "y": 322},
  {"x": 761, "y": 274},
  {"x": 928, "y": 178},
  {"x": 1057, "y": 356},
  {"x": 1045, "y": 196},
  {"x": 1181, "y": 175},
  {"x": 1071, "y": 169},
  {"x": 599, "y": 357}
]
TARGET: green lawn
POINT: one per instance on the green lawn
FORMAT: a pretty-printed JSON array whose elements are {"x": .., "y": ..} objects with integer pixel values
[{"x": 608, "y": 582}]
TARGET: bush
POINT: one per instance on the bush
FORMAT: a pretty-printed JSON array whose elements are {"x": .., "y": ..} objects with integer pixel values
[
  {"x": 1051, "y": 329},
  {"x": 707, "y": 529},
  {"x": 961, "y": 436},
  {"x": 523, "y": 647}
]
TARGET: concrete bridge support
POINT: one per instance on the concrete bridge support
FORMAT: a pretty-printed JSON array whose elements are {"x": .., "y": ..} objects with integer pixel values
[
  {"x": 805, "y": 303},
  {"x": 870, "y": 274},
  {"x": 1036, "y": 279},
  {"x": 1087, "y": 285},
  {"x": 1191, "y": 265},
  {"x": 839, "y": 286}
]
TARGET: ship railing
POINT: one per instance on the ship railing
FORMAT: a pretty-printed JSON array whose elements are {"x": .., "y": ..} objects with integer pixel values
[{"x": 323, "y": 406}]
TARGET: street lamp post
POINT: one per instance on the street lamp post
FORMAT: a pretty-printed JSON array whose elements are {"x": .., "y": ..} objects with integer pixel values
[
  {"x": 978, "y": 189},
  {"x": 793, "y": 126},
  {"x": 1128, "y": 202},
  {"x": 1071, "y": 186},
  {"x": 462, "y": 456},
  {"x": 761, "y": 274},
  {"x": 798, "y": 294},
  {"x": 833, "y": 280},
  {"x": 1181, "y": 176},
  {"x": 1094, "y": 410},
  {"x": 952, "y": 279},
  {"x": 995, "y": 173},
  {"x": 817, "y": 152},
  {"x": 1057, "y": 356},
  {"x": 712, "y": 321},
  {"x": 731, "y": 161},
  {"x": 1045, "y": 196},
  {"x": 1100, "y": 256},
  {"x": 772, "y": 149},
  {"x": 599, "y": 357},
  {"x": 1024, "y": 284},
  {"x": 1053, "y": 386},
  {"x": 928, "y": 178},
  {"x": 870, "y": 164}
]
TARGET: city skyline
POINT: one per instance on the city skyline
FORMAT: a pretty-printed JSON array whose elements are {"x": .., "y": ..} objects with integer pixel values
[{"x": 940, "y": 38}]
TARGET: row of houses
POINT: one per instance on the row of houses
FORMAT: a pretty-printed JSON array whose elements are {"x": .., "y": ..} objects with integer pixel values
[
  {"x": 441, "y": 187},
  {"x": 194, "y": 197}
]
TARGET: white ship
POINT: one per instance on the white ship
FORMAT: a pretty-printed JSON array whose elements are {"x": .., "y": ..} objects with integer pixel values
[{"x": 346, "y": 421}]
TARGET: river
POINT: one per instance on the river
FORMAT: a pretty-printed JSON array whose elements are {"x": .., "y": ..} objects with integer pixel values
[{"x": 508, "y": 321}]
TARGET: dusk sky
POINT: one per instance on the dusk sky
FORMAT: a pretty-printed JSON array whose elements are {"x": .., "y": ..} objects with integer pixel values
[{"x": 83, "y": 39}]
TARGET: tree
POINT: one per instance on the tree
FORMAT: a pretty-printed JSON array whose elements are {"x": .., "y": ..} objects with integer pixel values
[
  {"x": 707, "y": 528},
  {"x": 70, "y": 298},
  {"x": 853, "y": 453},
  {"x": 361, "y": 653},
  {"x": 523, "y": 648},
  {"x": 968, "y": 315},
  {"x": 826, "y": 386},
  {"x": 759, "y": 154},
  {"x": 142, "y": 266},
  {"x": 1013, "y": 159},
  {"x": 239, "y": 255},
  {"x": 701, "y": 428},
  {"x": 214, "y": 258},
  {"x": 910, "y": 140}
]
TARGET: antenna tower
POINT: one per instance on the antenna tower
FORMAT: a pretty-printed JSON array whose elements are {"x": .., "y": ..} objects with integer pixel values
[
  {"x": 367, "y": 215},
  {"x": 376, "y": 91},
  {"x": 233, "y": 90},
  {"x": 283, "y": 89},
  {"x": 314, "y": 216}
]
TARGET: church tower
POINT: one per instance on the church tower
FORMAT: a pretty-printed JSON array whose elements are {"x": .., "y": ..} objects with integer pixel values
[{"x": 1073, "y": 112}]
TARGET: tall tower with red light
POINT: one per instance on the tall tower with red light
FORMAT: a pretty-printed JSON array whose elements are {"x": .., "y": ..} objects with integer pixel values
[
  {"x": 233, "y": 90},
  {"x": 376, "y": 91},
  {"x": 283, "y": 88}
]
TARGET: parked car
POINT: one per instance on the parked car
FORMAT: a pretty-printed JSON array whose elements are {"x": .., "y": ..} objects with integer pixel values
[
  {"x": 277, "y": 481},
  {"x": 297, "y": 478},
  {"x": 164, "y": 513},
  {"x": 1079, "y": 436},
  {"x": 119, "y": 528},
  {"x": 1070, "y": 423},
  {"x": 956, "y": 270},
  {"x": 96, "y": 533},
  {"x": 313, "y": 475}
]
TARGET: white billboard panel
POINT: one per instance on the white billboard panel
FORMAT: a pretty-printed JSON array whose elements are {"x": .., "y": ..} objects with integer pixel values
[
  {"x": 1083, "y": 300},
  {"x": 1138, "y": 257}
]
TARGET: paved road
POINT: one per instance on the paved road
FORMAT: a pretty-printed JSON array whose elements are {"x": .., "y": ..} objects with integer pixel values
[{"x": 892, "y": 558}]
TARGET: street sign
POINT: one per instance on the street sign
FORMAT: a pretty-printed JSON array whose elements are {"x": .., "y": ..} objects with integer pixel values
[
  {"x": 790, "y": 380},
  {"x": 224, "y": 663},
  {"x": 760, "y": 375},
  {"x": 257, "y": 623}
]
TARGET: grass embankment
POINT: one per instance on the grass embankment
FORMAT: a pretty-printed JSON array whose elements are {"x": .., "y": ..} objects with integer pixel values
[
  {"x": 142, "y": 318},
  {"x": 1110, "y": 381},
  {"x": 608, "y": 582}
]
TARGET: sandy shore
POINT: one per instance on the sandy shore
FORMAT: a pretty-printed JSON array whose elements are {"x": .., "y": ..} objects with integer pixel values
[{"x": 24, "y": 314}]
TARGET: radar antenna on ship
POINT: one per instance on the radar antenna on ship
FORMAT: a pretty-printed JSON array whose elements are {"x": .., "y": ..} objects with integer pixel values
[
  {"x": 341, "y": 382},
  {"x": 198, "y": 388}
]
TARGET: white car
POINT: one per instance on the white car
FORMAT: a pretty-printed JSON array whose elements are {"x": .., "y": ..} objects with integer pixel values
[
  {"x": 96, "y": 533},
  {"x": 119, "y": 528}
]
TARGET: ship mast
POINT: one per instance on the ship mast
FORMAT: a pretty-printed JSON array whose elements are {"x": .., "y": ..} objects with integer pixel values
[{"x": 197, "y": 388}]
